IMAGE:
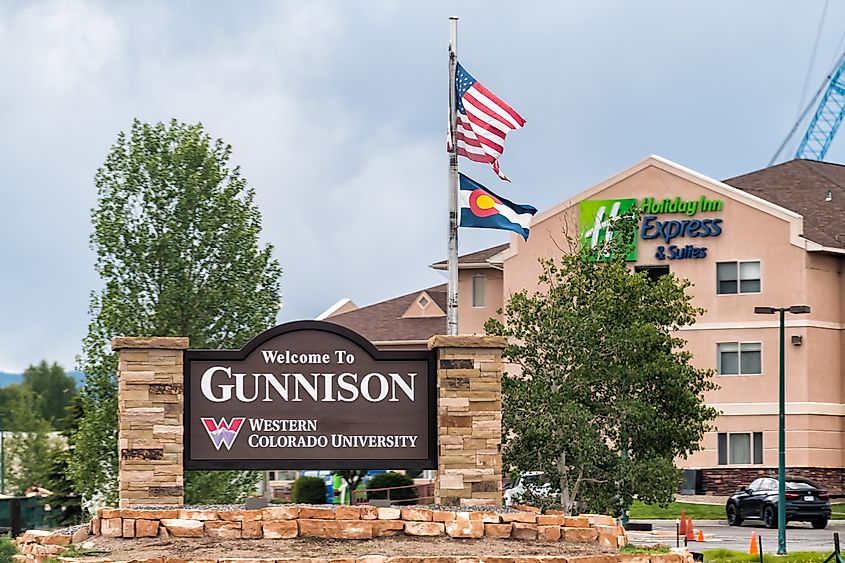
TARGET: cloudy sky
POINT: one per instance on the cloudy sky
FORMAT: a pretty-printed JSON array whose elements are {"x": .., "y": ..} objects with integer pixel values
[{"x": 336, "y": 112}]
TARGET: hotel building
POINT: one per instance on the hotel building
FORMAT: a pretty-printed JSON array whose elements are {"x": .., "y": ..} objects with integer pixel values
[{"x": 774, "y": 237}]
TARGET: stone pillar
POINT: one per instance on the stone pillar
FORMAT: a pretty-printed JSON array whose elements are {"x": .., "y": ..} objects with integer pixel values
[
  {"x": 469, "y": 419},
  {"x": 150, "y": 403}
]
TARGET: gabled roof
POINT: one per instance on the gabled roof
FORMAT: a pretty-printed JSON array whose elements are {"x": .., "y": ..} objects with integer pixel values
[
  {"x": 477, "y": 259},
  {"x": 342, "y": 306},
  {"x": 384, "y": 321},
  {"x": 811, "y": 188}
]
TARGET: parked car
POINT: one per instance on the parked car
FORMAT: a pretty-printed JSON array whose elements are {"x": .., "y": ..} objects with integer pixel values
[
  {"x": 535, "y": 483},
  {"x": 805, "y": 502}
]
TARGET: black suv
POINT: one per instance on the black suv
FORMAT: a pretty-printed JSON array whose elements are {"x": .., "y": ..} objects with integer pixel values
[{"x": 759, "y": 501}]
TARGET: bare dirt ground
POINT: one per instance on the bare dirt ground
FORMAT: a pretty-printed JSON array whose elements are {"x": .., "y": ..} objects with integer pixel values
[{"x": 211, "y": 548}]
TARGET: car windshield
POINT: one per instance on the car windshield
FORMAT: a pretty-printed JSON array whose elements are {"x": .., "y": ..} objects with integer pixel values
[{"x": 799, "y": 486}]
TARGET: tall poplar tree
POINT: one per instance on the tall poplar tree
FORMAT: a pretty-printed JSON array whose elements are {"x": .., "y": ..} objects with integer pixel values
[
  {"x": 176, "y": 233},
  {"x": 606, "y": 397}
]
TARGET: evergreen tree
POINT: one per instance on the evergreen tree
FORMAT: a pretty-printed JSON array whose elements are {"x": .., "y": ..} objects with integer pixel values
[
  {"x": 29, "y": 447},
  {"x": 65, "y": 503},
  {"x": 176, "y": 236},
  {"x": 54, "y": 389}
]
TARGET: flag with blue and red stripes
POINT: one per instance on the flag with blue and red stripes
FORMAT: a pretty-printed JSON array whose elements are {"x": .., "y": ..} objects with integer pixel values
[
  {"x": 483, "y": 121},
  {"x": 482, "y": 209}
]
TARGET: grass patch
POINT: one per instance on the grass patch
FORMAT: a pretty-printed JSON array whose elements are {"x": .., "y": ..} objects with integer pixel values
[
  {"x": 76, "y": 551},
  {"x": 640, "y": 549},
  {"x": 837, "y": 512},
  {"x": 672, "y": 511},
  {"x": 730, "y": 556}
]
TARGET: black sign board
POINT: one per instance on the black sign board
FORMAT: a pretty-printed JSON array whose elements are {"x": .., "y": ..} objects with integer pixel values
[{"x": 310, "y": 395}]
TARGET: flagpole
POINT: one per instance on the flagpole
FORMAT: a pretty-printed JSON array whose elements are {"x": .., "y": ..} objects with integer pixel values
[{"x": 452, "y": 257}]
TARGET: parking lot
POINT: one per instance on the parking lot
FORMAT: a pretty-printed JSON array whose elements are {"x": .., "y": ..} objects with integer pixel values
[{"x": 800, "y": 536}]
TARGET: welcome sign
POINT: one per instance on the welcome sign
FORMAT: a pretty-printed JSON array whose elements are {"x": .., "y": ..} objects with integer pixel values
[{"x": 310, "y": 395}]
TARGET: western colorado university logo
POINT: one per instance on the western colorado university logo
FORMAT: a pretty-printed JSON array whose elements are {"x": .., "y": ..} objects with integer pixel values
[
  {"x": 223, "y": 433},
  {"x": 595, "y": 217}
]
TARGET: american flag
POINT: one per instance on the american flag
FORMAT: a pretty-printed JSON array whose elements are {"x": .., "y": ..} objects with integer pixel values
[{"x": 483, "y": 121}]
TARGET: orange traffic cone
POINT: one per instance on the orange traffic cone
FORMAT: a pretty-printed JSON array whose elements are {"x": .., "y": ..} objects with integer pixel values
[
  {"x": 700, "y": 535},
  {"x": 752, "y": 547},
  {"x": 690, "y": 530},
  {"x": 683, "y": 525}
]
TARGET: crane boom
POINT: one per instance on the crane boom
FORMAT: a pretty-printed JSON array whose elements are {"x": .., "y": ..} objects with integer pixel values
[{"x": 827, "y": 119}]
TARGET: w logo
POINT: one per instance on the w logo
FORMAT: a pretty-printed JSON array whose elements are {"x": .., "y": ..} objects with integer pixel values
[{"x": 223, "y": 433}]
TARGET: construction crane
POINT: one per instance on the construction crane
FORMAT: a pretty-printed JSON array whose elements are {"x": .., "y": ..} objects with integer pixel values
[{"x": 827, "y": 119}]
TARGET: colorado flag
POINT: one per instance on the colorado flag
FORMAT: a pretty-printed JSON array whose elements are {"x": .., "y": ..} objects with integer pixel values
[{"x": 481, "y": 208}]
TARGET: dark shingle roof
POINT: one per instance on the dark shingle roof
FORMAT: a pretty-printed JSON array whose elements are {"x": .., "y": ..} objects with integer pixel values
[
  {"x": 479, "y": 257},
  {"x": 802, "y": 186},
  {"x": 383, "y": 321}
]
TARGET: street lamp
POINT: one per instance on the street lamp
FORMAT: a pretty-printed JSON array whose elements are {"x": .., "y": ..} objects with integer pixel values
[{"x": 795, "y": 310}]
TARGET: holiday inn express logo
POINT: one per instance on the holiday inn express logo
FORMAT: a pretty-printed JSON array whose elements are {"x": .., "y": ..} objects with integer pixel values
[
  {"x": 677, "y": 238},
  {"x": 596, "y": 216}
]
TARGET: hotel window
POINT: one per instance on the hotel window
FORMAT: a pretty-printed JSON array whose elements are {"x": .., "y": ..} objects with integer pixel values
[
  {"x": 737, "y": 448},
  {"x": 478, "y": 291},
  {"x": 739, "y": 358},
  {"x": 737, "y": 277},
  {"x": 653, "y": 273}
]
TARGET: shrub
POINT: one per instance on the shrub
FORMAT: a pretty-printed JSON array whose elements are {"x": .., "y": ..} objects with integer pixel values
[
  {"x": 7, "y": 549},
  {"x": 391, "y": 479},
  {"x": 309, "y": 490}
]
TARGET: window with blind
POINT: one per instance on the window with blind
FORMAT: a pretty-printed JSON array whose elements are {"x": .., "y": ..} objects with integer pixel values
[
  {"x": 479, "y": 287},
  {"x": 739, "y": 358},
  {"x": 738, "y": 277},
  {"x": 740, "y": 448}
]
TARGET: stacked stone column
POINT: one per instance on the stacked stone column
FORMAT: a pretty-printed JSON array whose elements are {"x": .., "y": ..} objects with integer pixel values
[
  {"x": 150, "y": 403},
  {"x": 469, "y": 419}
]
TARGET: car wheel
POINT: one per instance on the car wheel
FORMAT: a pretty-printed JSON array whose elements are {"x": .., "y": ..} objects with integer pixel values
[
  {"x": 819, "y": 523},
  {"x": 770, "y": 517},
  {"x": 733, "y": 515}
]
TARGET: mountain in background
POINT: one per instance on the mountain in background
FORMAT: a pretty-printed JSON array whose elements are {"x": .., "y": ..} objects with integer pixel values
[{"x": 13, "y": 378}]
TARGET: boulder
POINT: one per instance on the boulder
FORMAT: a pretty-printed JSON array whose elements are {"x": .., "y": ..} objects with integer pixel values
[
  {"x": 524, "y": 531},
  {"x": 413, "y": 514},
  {"x": 424, "y": 528},
  {"x": 282, "y": 529},
  {"x": 498, "y": 531},
  {"x": 183, "y": 527},
  {"x": 465, "y": 528},
  {"x": 548, "y": 533}
]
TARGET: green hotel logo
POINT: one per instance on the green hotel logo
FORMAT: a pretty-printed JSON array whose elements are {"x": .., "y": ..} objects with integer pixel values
[{"x": 596, "y": 216}]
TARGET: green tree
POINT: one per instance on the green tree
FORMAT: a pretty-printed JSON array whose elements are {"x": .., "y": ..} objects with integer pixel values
[
  {"x": 54, "y": 389},
  {"x": 606, "y": 397},
  {"x": 176, "y": 236},
  {"x": 29, "y": 447},
  {"x": 65, "y": 502}
]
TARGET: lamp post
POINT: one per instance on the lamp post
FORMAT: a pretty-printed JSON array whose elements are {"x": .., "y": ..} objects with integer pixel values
[{"x": 795, "y": 310}]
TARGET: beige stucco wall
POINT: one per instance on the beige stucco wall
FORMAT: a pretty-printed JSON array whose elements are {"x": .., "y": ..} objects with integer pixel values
[
  {"x": 471, "y": 319},
  {"x": 752, "y": 230}
]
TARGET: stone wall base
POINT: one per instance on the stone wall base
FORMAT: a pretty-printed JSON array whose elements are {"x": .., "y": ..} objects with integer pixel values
[
  {"x": 726, "y": 480},
  {"x": 676, "y": 556},
  {"x": 332, "y": 523}
]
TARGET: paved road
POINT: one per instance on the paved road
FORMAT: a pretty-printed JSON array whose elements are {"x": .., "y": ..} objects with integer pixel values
[{"x": 800, "y": 536}]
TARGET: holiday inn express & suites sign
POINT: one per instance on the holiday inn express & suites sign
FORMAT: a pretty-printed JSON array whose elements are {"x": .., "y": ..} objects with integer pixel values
[
  {"x": 678, "y": 238},
  {"x": 310, "y": 394}
]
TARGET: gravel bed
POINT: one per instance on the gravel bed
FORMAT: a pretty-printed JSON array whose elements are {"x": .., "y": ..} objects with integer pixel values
[{"x": 69, "y": 531}]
